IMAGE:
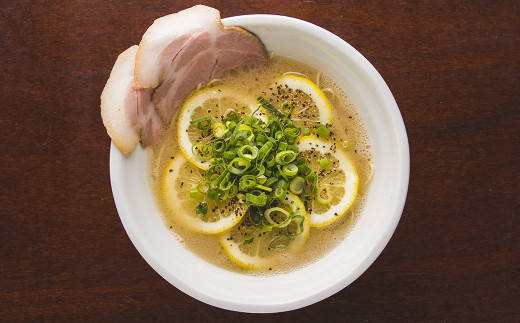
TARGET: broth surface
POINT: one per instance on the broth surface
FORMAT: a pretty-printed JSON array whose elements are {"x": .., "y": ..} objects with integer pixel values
[{"x": 347, "y": 125}]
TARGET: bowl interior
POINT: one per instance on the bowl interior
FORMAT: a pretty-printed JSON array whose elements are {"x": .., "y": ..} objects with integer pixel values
[{"x": 334, "y": 57}]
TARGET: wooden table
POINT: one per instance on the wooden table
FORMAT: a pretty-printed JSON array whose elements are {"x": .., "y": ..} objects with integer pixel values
[{"x": 454, "y": 69}]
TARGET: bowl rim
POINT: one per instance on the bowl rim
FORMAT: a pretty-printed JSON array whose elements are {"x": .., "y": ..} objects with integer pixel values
[{"x": 375, "y": 249}]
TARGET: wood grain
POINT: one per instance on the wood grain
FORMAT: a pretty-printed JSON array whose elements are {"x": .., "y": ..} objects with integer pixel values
[{"x": 454, "y": 69}]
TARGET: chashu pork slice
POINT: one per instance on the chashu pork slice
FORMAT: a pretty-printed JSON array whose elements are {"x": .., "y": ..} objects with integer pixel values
[
  {"x": 128, "y": 113},
  {"x": 181, "y": 50}
]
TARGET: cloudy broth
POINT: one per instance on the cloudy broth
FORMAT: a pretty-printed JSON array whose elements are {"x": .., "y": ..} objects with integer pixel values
[{"x": 347, "y": 126}]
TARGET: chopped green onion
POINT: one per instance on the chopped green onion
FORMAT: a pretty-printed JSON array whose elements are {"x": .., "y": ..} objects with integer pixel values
[
  {"x": 262, "y": 187},
  {"x": 203, "y": 187},
  {"x": 282, "y": 146},
  {"x": 229, "y": 154},
  {"x": 266, "y": 148},
  {"x": 322, "y": 131},
  {"x": 231, "y": 192},
  {"x": 258, "y": 162},
  {"x": 297, "y": 185},
  {"x": 238, "y": 165},
  {"x": 280, "y": 242},
  {"x": 280, "y": 191},
  {"x": 201, "y": 150},
  {"x": 261, "y": 178},
  {"x": 293, "y": 148},
  {"x": 202, "y": 208},
  {"x": 225, "y": 184},
  {"x": 290, "y": 170},
  {"x": 310, "y": 183},
  {"x": 203, "y": 123},
  {"x": 270, "y": 181},
  {"x": 232, "y": 116},
  {"x": 270, "y": 160},
  {"x": 247, "y": 181},
  {"x": 324, "y": 163},
  {"x": 291, "y": 132},
  {"x": 287, "y": 108},
  {"x": 256, "y": 198},
  {"x": 254, "y": 216},
  {"x": 285, "y": 157},
  {"x": 303, "y": 169},
  {"x": 281, "y": 173},
  {"x": 215, "y": 160},
  {"x": 219, "y": 129},
  {"x": 218, "y": 147},
  {"x": 283, "y": 216},
  {"x": 261, "y": 139},
  {"x": 213, "y": 193},
  {"x": 324, "y": 195},
  {"x": 267, "y": 228},
  {"x": 244, "y": 127},
  {"x": 346, "y": 145},
  {"x": 248, "y": 152},
  {"x": 248, "y": 235},
  {"x": 298, "y": 221},
  {"x": 231, "y": 125},
  {"x": 269, "y": 107},
  {"x": 213, "y": 173}
]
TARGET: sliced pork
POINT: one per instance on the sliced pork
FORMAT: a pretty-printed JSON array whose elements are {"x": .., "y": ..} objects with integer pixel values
[
  {"x": 128, "y": 113},
  {"x": 183, "y": 49}
]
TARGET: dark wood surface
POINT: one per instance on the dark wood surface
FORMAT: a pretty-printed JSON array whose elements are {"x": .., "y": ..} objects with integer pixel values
[{"x": 454, "y": 69}]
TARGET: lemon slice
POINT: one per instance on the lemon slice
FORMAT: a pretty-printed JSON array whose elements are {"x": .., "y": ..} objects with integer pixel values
[
  {"x": 216, "y": 102},
  {"x": 180, "y": 178},
  {"x": 262, "y": 252},
  {"x": 340, "y": 177},
  {"x": 310, "y": 106}
]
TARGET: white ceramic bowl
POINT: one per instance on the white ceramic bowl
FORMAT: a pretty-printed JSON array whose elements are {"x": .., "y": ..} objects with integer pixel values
[{"x": 334, "y": 57}]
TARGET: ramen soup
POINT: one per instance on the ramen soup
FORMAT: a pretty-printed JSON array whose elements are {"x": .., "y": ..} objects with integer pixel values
[{"x": 259, "y": 190}]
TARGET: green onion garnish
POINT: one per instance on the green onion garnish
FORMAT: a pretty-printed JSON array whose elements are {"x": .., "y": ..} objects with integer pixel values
[
  {"x": 324, "y": 163},
  {"x": 322, "y": 131},
  {"x": 323, "y": 195},
  {"x": 280, "y": 242},
  {"x": 202, "y": 208},
  {"x": 270, "y": 107},
  {"x": 219, "y": 129},
  {"x": 290, "y": 170},
  {"x": 258, "y": 162},
  {"x": 287, "y": 108},
  {"x": 297, "y": 185},
  {"x": 248, "y": 235},
  {"x": 256, "y": 198},
  {"x": 298, "y": 223},
  {"x": 281, "y": 216},
  {"x": 213, "y": 194},
  {"x": 280, "y": 191},
  {"x": 285, "y": 157},
  {"x": 201, "y": 150},
  {"x": 218, "y": 147},
  {"x": 203, "y": 123}
]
